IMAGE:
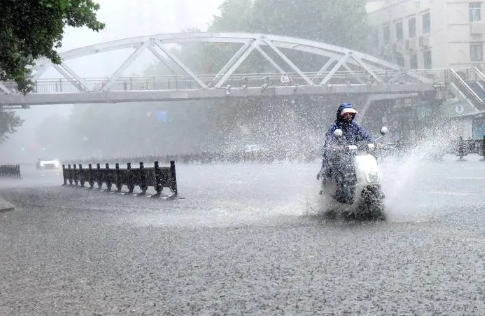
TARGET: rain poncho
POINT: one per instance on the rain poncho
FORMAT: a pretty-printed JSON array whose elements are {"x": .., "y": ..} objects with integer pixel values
[{"x": 352, "y": 132}]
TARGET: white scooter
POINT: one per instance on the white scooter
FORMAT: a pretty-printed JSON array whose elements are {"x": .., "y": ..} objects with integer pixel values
[{"x": 360, "y": 176}]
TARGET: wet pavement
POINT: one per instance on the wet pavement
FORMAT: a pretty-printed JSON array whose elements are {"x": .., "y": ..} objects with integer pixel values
[{"x": 246, "y": 239}]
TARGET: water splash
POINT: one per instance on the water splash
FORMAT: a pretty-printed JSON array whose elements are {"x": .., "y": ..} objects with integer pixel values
[{"x": 403, "y": 179}]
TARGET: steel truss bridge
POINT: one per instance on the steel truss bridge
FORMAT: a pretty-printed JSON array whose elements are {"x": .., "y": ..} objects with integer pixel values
[{"x": 343, "y": 71}]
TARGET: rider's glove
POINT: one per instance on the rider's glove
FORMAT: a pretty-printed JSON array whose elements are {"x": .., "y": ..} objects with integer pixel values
[
  {"x": 320, "y": 174},
  {"x": 336, "y": 147}
]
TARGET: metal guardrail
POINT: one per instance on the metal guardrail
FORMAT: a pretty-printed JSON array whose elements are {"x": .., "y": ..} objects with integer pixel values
[
  {"x": 459, "y": 147},
  {"x": 469, "y": 146},
  {"x": 156, "y": 177},
  {"x": 10, "y": 171},
  {"x": 465, "y": 88},
  {"x": 480, "y": 74}
]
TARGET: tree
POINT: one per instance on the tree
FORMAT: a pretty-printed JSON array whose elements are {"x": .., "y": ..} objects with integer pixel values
[
  {"x": 9, "y": 123},
  {"x": 336, "y": 22},
  {"x": 33, "y": 29},
  {"x": 235, "y": 17}
]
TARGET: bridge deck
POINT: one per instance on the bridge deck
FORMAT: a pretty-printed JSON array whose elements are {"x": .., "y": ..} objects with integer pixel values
[{"x": 194, "y": 94}]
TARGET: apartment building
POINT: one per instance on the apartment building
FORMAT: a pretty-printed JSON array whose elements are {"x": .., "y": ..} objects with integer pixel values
[{"x": 428, "y": 34}]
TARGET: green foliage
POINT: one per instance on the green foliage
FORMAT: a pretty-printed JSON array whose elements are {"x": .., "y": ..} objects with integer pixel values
[
  {"x": 32, "y": 29},
  {"x": 9, "y": 123},
  {"x": 336, "y": 22},
  {"x": 236, "y": 16}
]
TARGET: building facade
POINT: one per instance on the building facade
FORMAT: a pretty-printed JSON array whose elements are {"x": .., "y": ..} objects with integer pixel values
[{"x": 428, "y": 34}]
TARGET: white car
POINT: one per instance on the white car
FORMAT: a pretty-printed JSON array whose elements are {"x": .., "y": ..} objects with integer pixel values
[
  {"x": 253, "y": 148},
  {"x": 48, "y": 164}
]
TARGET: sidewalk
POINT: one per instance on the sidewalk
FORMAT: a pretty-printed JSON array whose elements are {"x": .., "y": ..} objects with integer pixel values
[{"x": 5, "y": 206}]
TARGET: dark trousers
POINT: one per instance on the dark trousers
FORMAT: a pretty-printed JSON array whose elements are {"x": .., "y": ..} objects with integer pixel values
[{"x": 339, "y": 166}]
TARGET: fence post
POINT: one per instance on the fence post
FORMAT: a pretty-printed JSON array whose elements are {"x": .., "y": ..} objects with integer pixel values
[
  {"x": 119, "y": 184},
  {"x": 143, "y": 179},
  {"x": 173, "y": 178},
  {"x": 70, "y": 173},
  {"x": 91, "y": 177},
  {"x": 158, "y": 186},
  {"x": 483, "y": 149},
  {"x": 130, "y": 178},
  {"x": 64, "y": 174},
  {"x": 81, "y": 175},
  {"x": 461, "y": 149},
  {"x": 99, "y": 179},
  {"x": 108, "y": 177},
  {"x": 75, "y": 174}
]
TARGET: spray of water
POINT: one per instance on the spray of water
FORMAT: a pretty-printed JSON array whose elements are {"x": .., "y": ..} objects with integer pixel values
[{"x": 402, "y": 176}]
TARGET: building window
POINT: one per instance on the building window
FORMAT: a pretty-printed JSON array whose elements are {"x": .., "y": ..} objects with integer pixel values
[
  {"x": 475, "y": 11},
  {"x": 412, "y": 27},
  {"x": 375, "y": 39},
  {"x": 476, "y": 52},
  {"x": 387, "y": 33},
  {"x": 428, "y": 62},
  {"x": 426, "y": 23},
  {"x": 399, "y": 59},
  {"x": 413, "y": 61},
  {"x": 399, "y": 31}
]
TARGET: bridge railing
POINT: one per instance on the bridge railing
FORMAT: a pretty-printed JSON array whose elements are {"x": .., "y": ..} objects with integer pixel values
[
  {"x": 181, "y": 82},
  {"x": 480, "y": 77},
  {"x": 464, "y": 87}
]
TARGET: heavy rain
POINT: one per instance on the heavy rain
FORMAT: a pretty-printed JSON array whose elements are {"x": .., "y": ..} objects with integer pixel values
[{"x": 229, "y": 157}]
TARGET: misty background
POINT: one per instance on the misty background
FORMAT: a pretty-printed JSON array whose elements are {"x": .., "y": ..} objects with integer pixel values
[{"x": 160, "y": 128}]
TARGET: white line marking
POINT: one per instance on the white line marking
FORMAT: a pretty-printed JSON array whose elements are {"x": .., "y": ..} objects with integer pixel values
[
  {"x": 465, "y": 178},
  {"x": 449, "y": 193}
]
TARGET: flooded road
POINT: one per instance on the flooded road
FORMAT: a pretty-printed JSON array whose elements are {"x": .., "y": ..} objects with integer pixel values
[{"x": 246, "y": 239}]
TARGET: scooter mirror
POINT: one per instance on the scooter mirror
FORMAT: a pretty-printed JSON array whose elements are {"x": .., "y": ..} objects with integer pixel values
[
  {"x": 337, "y": 133},
  {"x": 384, "y": 130}
]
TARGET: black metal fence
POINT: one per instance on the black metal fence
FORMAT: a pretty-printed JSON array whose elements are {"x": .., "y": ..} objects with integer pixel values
[
  {"x": 458, "y": 147},
  {"x": 11, "y": 171},
  {"x": 142, "y": 177},
  {"x": 471, "y": 146}
]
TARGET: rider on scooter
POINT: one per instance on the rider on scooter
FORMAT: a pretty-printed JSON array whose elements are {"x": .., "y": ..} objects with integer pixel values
[{"x": 333, "y": 162}]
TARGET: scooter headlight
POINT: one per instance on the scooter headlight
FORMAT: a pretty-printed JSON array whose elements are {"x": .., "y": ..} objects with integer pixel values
[{"x": 373, "y": 177}]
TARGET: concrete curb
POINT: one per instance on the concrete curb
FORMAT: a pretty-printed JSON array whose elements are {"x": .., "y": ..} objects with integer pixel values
[{"x": 5, "y": 206}]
